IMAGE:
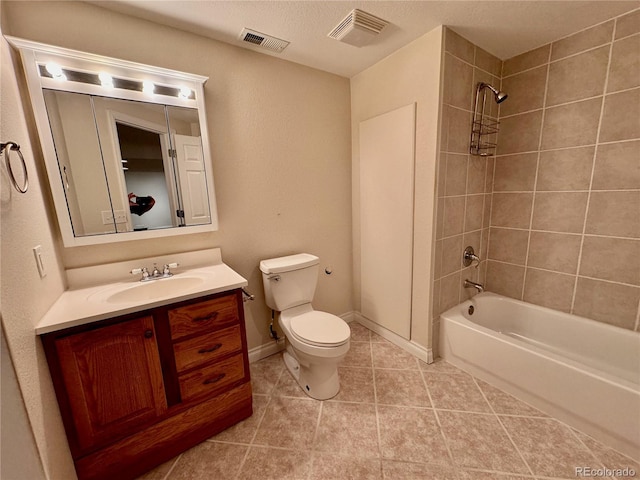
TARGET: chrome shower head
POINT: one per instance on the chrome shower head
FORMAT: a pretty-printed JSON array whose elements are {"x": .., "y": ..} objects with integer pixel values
[{"x": 500, "y": 96}]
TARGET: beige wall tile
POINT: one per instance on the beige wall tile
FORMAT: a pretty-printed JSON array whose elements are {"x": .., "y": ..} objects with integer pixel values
[
  {"x": 458, "y": 78},
  {"x": 476, "y": 174},
  {"x": 437, "y": 260},
  {"x": 508, "y": 245},
  {"x": 505, "y": 279},
  {"x": 459, "y": 130},
  {"x": 484, "y": 246},
  {"x": 519, "y": 133},
  {"x": 620, "y": 119},
  {"x": 559, "y": 212},
  {"x": 607, "y": 302},
  {"x": 442, "y": 173},
  {"x": 549, "y": 289},
  {"x": 473, "y": 239},
  {"x": 578, "y": 42},
  {"x": 567, "y": 169},
  {"x": 473, "y": 212},
  {"x": 486, "y": 215},
  {"x": 554, "y": 251},
  {"x": 515, "y": 172},
  {"x": 452, "y": 254},
  {"x": 628, "y": 24},
  {"x": 525, "y": 61},
  {"x": 614, "y": 213},
  {"x": 440, "y": 218},
  {"x": 617, "y": 166},
  {"x": 456, "y": 177},
  {"x": 449, "y": 291},
  {"x": 578, "y": 77},
  {"x": 453, "y": 216},
  {"x": 487, "y": 62},
  {"x": 458, "y": 46},
  {"x": 511, "y": 210},
  {"x": 526, "y": 91},
  {"x": 435, "y": 304},
  {"x": 444, "y": 128},
  {"x": 612, "y": 259},
  {"x": 491, "y": 164},
  {"x": 571, "y": 125},
  {"x": 624, "y": 71}
]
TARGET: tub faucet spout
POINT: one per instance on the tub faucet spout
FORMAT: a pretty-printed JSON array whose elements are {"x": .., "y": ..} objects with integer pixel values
[{"x": 477, "y": 286}]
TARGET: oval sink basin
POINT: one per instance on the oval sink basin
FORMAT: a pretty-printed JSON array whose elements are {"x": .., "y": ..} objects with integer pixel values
[{"x": 155, "y": 289}]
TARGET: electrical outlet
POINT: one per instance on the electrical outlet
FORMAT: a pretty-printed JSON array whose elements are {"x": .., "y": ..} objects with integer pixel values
[
  {"x": 120, "y": 216},
  {"x": 107, "y": 217},
  {"x": 37, "y": 253}
]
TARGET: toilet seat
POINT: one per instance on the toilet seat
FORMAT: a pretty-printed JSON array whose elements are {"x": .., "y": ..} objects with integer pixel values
[{"x": 320, "y": 329}]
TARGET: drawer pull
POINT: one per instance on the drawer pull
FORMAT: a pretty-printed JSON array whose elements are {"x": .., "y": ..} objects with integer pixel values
[
  {"x": 215, "y": 379},
  {"x": 204, "y": 318},
  {"x": 211, "y": 349},
  {"x": 148, "y": 333}
]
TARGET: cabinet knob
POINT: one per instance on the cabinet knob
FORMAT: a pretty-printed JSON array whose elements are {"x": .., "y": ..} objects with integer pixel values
[{"x": 148, "y": 333}]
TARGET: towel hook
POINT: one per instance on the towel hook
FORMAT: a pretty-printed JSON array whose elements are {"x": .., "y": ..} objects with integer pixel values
[{"x": 15, "y": 147}]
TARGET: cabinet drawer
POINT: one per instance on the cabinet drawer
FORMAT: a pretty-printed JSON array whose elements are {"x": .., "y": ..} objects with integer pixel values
[
  {"x": 203, "y": 316},
  {"x": 213, "y": 379},
  {"x": 206, "y": 348}
]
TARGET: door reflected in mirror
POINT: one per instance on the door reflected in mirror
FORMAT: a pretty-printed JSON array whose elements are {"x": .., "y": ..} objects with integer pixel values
[{"x": 128, "y": 165}]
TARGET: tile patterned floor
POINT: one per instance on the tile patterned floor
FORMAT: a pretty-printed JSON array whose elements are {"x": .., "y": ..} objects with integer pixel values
[{"x": 394, "y": 418}]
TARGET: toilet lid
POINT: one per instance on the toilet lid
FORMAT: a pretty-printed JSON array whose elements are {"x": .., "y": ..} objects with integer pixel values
[{"x": 320, "y": 328}]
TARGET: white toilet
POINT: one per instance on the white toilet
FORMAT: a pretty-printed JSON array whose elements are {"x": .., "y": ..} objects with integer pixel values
[{"x": 316, "y": 341}]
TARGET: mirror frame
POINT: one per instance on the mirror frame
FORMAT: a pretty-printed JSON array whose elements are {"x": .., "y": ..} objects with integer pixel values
[{"x": 35, "y": 53}]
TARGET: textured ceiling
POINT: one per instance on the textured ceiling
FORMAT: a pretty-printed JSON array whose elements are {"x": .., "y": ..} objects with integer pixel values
[{"x": 503, "y": 28}]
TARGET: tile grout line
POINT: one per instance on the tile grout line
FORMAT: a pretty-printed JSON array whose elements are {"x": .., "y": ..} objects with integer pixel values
[
  {"x": 593, "y": 169},
  {"x": 504, "y": 428},
  {"x": 375, "y": 400},
  {"x": 167, "y": 476},
  {"x": 535, "y": 181}
]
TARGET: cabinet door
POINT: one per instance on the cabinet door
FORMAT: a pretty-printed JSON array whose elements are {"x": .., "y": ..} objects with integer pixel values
[{"x": 113, "y": 379}]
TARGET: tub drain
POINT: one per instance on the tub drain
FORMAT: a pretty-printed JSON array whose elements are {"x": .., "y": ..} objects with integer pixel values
[{"x": 471, "y": 309}]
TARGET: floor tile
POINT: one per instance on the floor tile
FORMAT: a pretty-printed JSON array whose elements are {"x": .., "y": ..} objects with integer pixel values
[
  {"x": 505, "y": 404},
  {"x": 359, "y": 355},
  {"x": 479, "y": 441},
  {"x": 609, "y": 457},
  {"x": 289, "y": 423},
  {"x": 411, "y": 434},
  {"x": 393, "y": 470},
  {"x": 439, "y": 366},
  {"x": 160, "y": 472},
  {"x": 265, "y": 374},
  {"x": 287, "y": 386},
  {"x": 356, "y": 385},
  {"x": 359, "y": 333},
  {"x": 348, "y": 429},
  {"x": 244, "y": 431},
  {"x": 401, "y": 387},
  {"x": 339, "y": 467},
  {"x": 388, "y": 355},
  {"x": 456, "y": 392},
  {"x": 477, "y": 475},
  {"x": 263, "y": 463},
  {"x": 209, "y": 460},
  {"x": 549, "y": 447}
]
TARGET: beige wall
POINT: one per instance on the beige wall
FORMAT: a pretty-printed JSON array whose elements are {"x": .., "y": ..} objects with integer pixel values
[
  {"x": 565, "y": 225},
  {"x": 464, "y": 181},
  {"x": 25, "y": 222},
  {"x": 281, "y": 146},
  {"x": 412, "y": 74}
]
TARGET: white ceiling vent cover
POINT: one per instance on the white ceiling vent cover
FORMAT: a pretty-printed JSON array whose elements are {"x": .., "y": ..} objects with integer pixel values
[
  {"x": 358, "y": 28},
  {"x": 264, "y": 41}
]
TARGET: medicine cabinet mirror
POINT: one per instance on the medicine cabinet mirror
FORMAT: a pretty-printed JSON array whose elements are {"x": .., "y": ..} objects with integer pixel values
[{"x": 126, "y": 145}]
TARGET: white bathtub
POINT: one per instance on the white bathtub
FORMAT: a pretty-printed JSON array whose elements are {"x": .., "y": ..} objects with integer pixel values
[{"x": 580, "y": 371}]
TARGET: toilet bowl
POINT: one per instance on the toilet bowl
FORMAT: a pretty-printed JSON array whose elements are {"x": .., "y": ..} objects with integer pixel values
[{"x": 316, "y": 341}]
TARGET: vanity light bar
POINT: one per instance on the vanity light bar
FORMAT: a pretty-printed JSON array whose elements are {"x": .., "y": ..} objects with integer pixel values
[{"x": 57, "y": 72}]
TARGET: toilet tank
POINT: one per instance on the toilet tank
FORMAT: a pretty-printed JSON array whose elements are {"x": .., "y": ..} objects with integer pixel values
[{"x": 289, "y": 281}]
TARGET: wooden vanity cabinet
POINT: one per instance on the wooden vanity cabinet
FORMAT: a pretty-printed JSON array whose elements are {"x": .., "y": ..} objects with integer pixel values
[{"x": 136, "y": 390}]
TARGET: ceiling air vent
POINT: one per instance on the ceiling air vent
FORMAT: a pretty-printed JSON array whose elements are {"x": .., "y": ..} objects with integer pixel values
[
  {"x": 264, "y": 41},
  {"x": 358, "y": 28}
]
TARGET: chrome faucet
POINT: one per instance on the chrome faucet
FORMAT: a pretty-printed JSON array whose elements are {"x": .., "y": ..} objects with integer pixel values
[
  {"x": 477, "y": 286},
  {"x": 469, "y": 256},
  {"x": 156, "y": 274}
]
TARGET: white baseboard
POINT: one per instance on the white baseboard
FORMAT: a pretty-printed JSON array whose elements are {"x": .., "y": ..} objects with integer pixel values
[{"x": 422, "y": 353}]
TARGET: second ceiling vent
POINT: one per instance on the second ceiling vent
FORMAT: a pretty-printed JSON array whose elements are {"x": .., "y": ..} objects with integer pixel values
[
  {"x": 261, "y": 40},
  {"x": 358, "y": 28}
]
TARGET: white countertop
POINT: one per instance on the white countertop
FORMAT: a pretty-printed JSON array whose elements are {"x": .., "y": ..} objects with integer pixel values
[{"x": 85, "y": 305}]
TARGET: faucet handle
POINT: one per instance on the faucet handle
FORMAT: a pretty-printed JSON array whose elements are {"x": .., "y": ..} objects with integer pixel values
[
  {"x": 143, "y": 271},
  {"x": 166, "y": 270},
  {"x": 469, "y": 257}
]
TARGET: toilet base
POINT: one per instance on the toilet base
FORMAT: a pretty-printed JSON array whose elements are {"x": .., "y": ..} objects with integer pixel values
[{"x": 319, "y": 381}]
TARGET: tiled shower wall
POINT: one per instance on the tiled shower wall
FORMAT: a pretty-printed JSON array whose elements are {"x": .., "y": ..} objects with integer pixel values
[
  {"x": 464, "y": 181},
  {"x": 565, "y": 219}
]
